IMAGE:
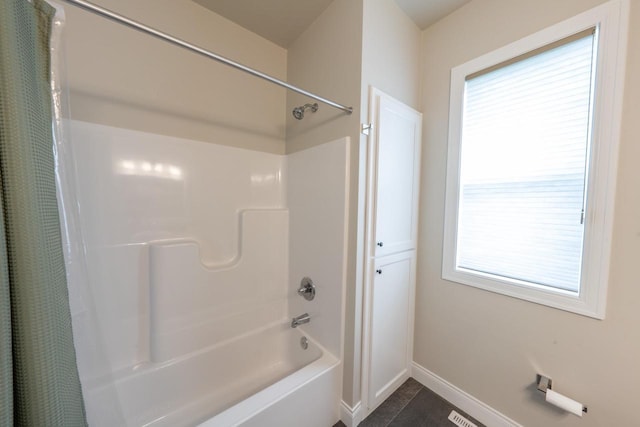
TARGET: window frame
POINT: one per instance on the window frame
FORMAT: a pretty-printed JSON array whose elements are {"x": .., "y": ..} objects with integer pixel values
[{"x": 611, "y": 20}]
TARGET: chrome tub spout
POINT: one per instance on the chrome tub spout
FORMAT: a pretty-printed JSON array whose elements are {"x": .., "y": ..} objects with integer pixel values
[{"x": 299, "y": 320}]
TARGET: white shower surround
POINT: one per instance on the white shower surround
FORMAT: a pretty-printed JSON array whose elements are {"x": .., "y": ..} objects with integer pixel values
[{"x": 152, "y": 206}]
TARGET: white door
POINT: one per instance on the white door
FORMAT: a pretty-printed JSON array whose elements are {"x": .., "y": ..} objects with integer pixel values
[
  {"x": 396, "y": 161},
  {"x": 391, "y": 324}
]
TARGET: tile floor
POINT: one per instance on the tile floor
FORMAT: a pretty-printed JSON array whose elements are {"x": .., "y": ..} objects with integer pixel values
[{"x": 412, "y": 405}]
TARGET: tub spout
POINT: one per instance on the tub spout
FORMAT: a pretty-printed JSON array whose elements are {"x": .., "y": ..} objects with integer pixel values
[{"x": 299, "y": 320}]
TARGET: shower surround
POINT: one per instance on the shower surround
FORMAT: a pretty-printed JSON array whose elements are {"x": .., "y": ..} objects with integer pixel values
[{"x": 193, "y": 254}]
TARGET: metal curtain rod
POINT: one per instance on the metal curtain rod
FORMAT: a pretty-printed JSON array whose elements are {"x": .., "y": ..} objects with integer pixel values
[{"x": 105, "y": 13}]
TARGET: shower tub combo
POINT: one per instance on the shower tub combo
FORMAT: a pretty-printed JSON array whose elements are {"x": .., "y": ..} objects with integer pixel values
[
  {"x": 183, "y": 266},
  {"x": 194, "y": 254}
]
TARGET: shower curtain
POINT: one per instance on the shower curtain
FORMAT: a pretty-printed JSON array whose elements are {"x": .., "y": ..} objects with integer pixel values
[{"x": 39, "y": 383}]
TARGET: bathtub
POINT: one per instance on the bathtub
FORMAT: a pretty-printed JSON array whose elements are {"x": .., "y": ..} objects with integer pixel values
[{"x": 261, "y": 379}]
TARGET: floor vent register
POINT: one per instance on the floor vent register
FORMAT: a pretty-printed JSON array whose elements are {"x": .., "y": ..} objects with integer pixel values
[{"x": 459, "y": 420}]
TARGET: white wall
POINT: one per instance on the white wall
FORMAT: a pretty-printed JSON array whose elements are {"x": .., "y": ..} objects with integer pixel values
[
  {"x": 123, "y": 78},
  {"x": 490, "y": 345},
  {"x": 135, "y": 298},
  {"x": 317, "y": 199},
  {"x": 134, "y": 188}
]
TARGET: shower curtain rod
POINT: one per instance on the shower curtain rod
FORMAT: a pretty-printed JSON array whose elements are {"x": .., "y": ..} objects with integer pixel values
[{"x": 105, "y": 13}]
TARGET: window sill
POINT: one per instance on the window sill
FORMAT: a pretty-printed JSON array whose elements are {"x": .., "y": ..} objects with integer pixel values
[{"x": 560, "y": 299}]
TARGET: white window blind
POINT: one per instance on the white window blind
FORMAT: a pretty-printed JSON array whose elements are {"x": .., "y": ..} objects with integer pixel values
[
  {"x": 534, "y": 129},
  {"x": 524, "y": 161}
]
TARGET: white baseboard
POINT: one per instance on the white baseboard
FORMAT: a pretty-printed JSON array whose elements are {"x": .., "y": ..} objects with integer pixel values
[
  {"x": 463, "y": 400},
  {"x": 351, "y": 417}
]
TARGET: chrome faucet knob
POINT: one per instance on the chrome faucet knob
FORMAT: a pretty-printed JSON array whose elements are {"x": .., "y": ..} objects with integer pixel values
[{"x": 307, "y": 289}]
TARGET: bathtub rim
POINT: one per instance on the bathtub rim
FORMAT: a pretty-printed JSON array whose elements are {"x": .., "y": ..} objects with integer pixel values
[{"x": 253, "y": 405}]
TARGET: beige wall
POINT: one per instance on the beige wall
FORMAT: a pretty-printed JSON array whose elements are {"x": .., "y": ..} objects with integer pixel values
[
  {"x": 123, "y": 78},
  {"x": 390, "y": 53},
  {"x": 326, "y": 59},
  {"x": 352, "y": 45},
  {"x": 490, "y": 345},
  {"x": 391, "y": 63}
]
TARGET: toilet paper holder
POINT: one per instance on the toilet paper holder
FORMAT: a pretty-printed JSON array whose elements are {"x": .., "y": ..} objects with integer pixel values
[{"x": 545, "y": 383}]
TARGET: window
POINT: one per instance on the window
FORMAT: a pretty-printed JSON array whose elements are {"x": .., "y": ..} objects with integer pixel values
[{"x": 532, "y": 164}]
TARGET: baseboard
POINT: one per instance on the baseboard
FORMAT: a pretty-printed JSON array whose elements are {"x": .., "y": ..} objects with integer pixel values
[
  {"x": 351, "y": 417},
  {"x": 463, "y": 400}
]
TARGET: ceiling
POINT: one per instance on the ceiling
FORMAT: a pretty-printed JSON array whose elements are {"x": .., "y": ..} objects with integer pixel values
[
  {"x": 426, "y": 12},
  {"x": 282, "y": 21}
]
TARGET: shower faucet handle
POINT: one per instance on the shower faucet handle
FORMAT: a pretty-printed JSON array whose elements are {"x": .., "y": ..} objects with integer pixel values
[{"x": 307, "y": 290}]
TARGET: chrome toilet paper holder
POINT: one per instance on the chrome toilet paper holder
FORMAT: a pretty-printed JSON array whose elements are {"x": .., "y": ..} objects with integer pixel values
[{"x": 545, "y": 383}]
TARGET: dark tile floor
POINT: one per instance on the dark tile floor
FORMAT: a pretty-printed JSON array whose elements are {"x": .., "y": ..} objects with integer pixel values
[{"x": 412, "y": 405}]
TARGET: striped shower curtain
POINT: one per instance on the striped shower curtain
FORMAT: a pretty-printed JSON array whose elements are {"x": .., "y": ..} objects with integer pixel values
[{"x": 39, "y": 383}]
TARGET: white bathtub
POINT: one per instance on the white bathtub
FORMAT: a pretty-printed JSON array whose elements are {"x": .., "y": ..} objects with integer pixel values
[{"x": 261, "y": 379}]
